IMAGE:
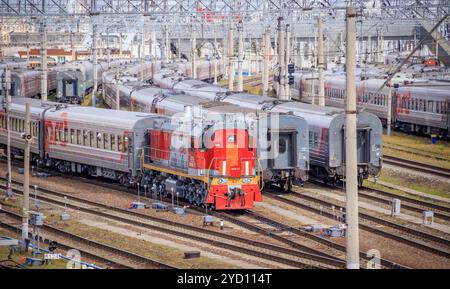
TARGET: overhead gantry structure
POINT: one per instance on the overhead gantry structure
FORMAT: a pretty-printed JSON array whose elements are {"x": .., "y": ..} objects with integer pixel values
[
  {"x": 393, "y": 18},
  {"x": 176, "y": 12}
]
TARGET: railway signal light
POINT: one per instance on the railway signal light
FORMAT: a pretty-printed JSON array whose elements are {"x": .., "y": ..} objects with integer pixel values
[
  {"x": 291, "y": 68},
  {"x": 52, "y": 246},
  {"x": 290, "y": 79}
]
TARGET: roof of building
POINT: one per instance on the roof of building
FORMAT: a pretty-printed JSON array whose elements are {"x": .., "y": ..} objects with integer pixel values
[{"x": 50, "y": 52}]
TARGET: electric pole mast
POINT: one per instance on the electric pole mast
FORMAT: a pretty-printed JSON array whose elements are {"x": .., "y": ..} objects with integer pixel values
[{"x": 351, "y": 160}]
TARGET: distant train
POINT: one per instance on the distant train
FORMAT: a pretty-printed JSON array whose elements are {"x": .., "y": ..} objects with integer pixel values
[
  {"x": 12, "y": 64},
  {"x": 281, "y": 139},
  {"x": 76, "y": 79},
  {"x": 326, "y": 127},
  {"x": 204, "y": 69},
  {"x": 27, "y": 82},
  {"x": 210, "y": 164},
  {"x": 415, "y": 107}
]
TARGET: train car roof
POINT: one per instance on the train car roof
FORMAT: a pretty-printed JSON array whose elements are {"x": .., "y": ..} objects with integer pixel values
[{"x": 91, "y": 115}]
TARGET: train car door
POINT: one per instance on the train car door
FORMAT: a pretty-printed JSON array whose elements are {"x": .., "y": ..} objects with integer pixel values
[
  {"x": 396, "y": 103},
  {"x": 284, "y": 148},
  {"x": 363, "y": 145},
  {"x": 12, "y": 90},
  {"x": 70, "y": 88}
]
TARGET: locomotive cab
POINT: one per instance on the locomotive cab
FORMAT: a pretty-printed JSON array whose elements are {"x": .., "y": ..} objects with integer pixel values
[{"x": 234, "y": 181}]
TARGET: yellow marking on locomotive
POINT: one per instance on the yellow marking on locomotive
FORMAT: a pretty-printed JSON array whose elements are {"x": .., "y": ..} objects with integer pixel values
[
  {"x": 234, "y": 181},
  {"x": 175, "y": 172}
]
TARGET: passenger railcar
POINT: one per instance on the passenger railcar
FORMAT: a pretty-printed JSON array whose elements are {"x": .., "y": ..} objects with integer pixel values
[
  {"x": 27, "y": 83},
  {"x": 414, "y": 108},
  {"x": 76, "y": 79},
  {"x": 204, "y": 69},
  {"x": 207, "y": 164}
]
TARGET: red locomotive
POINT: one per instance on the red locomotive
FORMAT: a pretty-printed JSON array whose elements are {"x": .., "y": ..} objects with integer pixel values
[{"x": 214, "y": 167}]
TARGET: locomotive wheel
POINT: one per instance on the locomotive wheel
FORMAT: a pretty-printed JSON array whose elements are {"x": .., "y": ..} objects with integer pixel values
[{"x": 124, "y": 180}]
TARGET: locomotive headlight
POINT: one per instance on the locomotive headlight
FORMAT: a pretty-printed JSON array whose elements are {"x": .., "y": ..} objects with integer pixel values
[
  {"x": 231, "y": 139},
  {"x": 222, "y": 181},
  {"x": 246, "y": 180}
]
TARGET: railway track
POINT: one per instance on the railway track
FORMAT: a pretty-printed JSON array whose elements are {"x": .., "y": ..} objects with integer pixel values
[
  {"x": 421, "y": 167},
  {"x": 366, "y": 221},
  {"x": 273, "y": 253},
  {"x": 252, "y": 227},
  {"x": 414, "y": 205},
  {"x": 415, "y": 152},
  {"x": 119, "y": 253},
  {"x": 283, "y": 227},
  {"x": 339, "y": 262},
  {"x": 253, "y": 82}
]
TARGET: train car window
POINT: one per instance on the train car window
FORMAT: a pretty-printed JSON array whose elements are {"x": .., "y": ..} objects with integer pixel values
[
  {"x": 21, "y": 124},
  {"x": 57, "y": 135},
  {"x": 36, "y": 129},
  {"x": 282, "y": 146},
  {"x": 92, "y": 139},
  {"x": 113, "y": 142},
  {"x": 79, "y": 137},
  {"x": 119, "y": 143},
  {"x": 250, "y": 143},
  {"x": 99, "y": 140},
  {"x": 311, "y": 138},
  {"x": 72, "y": 136},
  {"x": 66, "y": 135},
  {"x": 316, "y": 139},
  {"x": 2, "y": 122},
  {"x": 85, "y": 138},
  {"x": 430, "y": 106},
  {"x": 192, "y": 143},
  {"x": 106, "y": 145},
  {"x": 125, "y": 144}
]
